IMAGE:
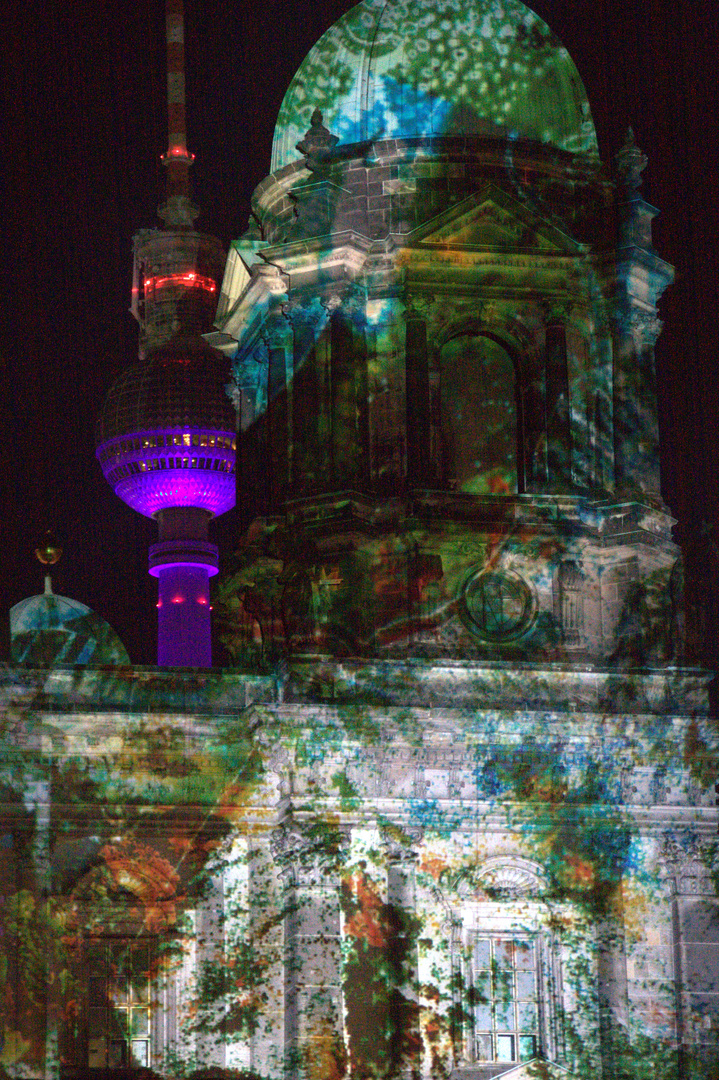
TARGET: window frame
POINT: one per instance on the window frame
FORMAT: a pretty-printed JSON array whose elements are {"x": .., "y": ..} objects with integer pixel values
[
  {"x": 509, "y": 908},
  {"x": 127, "y": 1066},
  {"x": 494, "y": 1030},
  {"x": 441, "y": 367}
]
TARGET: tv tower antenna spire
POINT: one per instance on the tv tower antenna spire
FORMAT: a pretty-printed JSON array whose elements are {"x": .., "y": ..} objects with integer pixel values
[{"x": 178, "y": 212}]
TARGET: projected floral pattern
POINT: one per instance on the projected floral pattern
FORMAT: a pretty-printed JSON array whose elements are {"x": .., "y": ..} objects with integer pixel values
[
  {"x": 359, "y": 926},
  {"x": 388, "y": 70},
  {"x": 452, "y": 809}
]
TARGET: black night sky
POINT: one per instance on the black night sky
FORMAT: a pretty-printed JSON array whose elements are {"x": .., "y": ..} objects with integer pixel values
[{"x": 83, "y": 112}]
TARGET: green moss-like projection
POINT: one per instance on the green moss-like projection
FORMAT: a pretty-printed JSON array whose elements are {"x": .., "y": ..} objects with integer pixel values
[
  {"x": 430, "y": 67},
  {"x": 316, "y": 901}
]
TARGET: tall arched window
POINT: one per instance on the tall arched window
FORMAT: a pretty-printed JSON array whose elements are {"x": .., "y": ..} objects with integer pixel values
[
  {"x": 515, "y": 965},
  {"x": 479, "y": 416}
]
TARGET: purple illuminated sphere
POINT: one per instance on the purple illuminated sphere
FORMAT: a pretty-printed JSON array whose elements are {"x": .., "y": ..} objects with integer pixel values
[{"x": 166, "y": 434}]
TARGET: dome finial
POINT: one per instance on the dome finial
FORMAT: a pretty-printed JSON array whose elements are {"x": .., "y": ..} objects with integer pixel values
[
  {"x": 48, "y": 552},
  {"x": 630, "y": 162}
]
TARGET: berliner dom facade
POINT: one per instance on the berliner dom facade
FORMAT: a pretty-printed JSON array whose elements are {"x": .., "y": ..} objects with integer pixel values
[
  {"x": 445, "y": 357},
  {"x": 450, "y": 812}
]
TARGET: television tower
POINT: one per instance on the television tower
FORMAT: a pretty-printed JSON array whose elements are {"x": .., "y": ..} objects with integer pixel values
[{"x": 166, "y": 436}]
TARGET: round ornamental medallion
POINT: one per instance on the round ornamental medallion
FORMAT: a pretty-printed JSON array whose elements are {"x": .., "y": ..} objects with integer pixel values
[{"x": 497, "y": 605}]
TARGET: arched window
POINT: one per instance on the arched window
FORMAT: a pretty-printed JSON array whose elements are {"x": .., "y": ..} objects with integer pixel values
[
  {"x": 513, "y": 968},
  {"x": 119, "y": 1015},
  {"x": 480, "y": 427}
]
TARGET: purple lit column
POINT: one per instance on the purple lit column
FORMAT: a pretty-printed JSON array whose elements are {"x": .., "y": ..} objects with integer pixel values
[{"x": 183, "y": 562}]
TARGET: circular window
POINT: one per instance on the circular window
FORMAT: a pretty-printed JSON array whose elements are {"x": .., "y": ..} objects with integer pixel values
[{"x": 497, "y": 605}]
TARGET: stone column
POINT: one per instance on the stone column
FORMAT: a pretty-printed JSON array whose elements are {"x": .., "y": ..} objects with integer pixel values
[
  {"x": 278, "y": 335},
  {"x": 210, "y": 951},
  {"x": 250, "y": 373},
  {"x": 309, "y": 864},
  {"x": 559, "y": 437},
  {"x": 600, "y": 449},
  {"x": 612, "y": 985},
  {"x": 690, "y": 862},
  {"x": 386, "y": 395},
  {"x": 636, "y": 421},
  {"x": 36, "y": 986},
  {"x": 308, "y": 420},
  {"x": 348, "y": 416},
  {"x": 417, "y": 390},
  {"x": 266, "y": 906},
  {"x": 534, "y": 433},
  {"x": 402, "y": 857},
  {"x": 42, "y": 865}
]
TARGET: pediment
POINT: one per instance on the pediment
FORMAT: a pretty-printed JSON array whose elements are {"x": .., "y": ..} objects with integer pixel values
[
  {"x": 535, "y": 1070},
  {"x": 492, "y": 220},
  {"x": 528, "y": 1070}
]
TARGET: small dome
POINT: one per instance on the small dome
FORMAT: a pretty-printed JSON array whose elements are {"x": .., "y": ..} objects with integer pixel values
[
  {"x": 47, "y": 630},
  {"x": 407, "y": 68}
]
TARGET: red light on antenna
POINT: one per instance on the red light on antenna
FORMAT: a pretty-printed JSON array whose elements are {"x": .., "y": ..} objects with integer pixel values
[
  {"x": 201, "y": 599},
  {"x": 178, "y": 599},
  {"x": 175, "y": 153}
]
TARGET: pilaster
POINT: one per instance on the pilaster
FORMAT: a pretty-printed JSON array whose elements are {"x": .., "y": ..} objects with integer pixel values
[
  {"x": 556, "y": 380},
  {"x": 417, "y": 400},
  {"x": 308, "y": 858}
]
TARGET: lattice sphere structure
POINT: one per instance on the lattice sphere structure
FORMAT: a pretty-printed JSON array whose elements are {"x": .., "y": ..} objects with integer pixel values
[
  {"x": 166, "y": 445},
  {"x": 166, "y": 435}
]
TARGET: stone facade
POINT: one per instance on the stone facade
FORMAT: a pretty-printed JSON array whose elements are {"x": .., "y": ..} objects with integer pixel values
[
  {"x": 317, "y": 866},
  {"x": 451, "y": 436},
  {"x": 451, "y": 813}
]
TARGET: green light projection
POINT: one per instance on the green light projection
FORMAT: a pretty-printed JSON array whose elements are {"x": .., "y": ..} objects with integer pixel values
[
  {"x": 451, "y": 810},
  {"x": 428, "y": 900},
  {"x": 438, "y": 67},
  {"x": 479, "y": 416}
]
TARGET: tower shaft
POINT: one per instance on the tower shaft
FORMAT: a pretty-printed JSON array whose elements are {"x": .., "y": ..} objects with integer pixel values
[
  {"x": 183, "y": 561},
  {"x": 166, "y": 436}
]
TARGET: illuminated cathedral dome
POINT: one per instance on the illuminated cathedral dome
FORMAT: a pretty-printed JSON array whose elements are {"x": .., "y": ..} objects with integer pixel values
[{"x": 407, "y": 68}]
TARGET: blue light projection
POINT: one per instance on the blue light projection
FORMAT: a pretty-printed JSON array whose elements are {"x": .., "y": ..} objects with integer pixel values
[{"x": 403, "y": 69}]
